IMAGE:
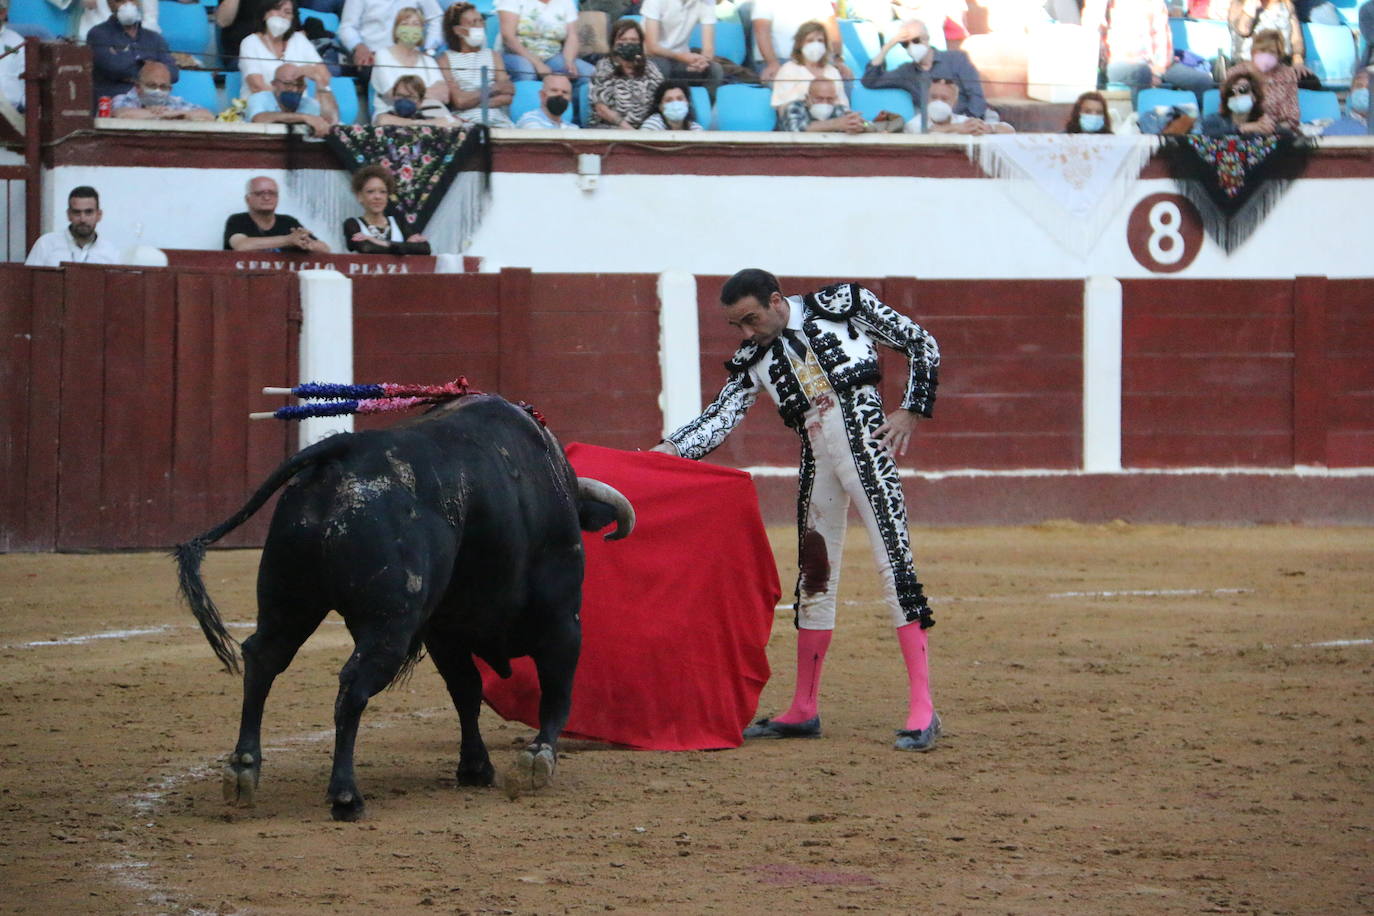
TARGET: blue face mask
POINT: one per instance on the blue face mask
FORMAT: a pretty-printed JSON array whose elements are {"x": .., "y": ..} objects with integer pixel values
[
  {"x": 1358, "y": 101},
  {"x": 675, "y": 110},
  {"x": 1091, "y": 123},
  {"x": 405, "y": 108},
  {"x": 289, "y": 100}
]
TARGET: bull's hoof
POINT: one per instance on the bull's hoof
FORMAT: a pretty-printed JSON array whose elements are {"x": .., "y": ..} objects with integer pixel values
[
  {"x": 533, "y": 769},
  {"x": 240, "y": 780},
  {"x": 347, "y": 807},
  {"x": 480, "y": 774}
]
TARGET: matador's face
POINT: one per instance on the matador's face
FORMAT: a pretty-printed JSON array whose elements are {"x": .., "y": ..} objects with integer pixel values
[{"x": 759, "y": 322}]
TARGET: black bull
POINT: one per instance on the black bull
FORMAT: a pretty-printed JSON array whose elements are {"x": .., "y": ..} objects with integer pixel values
[{"x": 459, "y": 532}]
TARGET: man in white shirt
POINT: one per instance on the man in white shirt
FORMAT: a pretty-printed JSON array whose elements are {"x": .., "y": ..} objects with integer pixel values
[
  {"x": 775, "y": 27},
  {"x": 366, "y": 25},
  {"x": 668, "y": 26},
  {"x": 79, "y": 241}
]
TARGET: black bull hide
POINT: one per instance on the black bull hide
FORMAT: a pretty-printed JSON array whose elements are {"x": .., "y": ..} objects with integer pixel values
[{"x": 458, "y": 531}]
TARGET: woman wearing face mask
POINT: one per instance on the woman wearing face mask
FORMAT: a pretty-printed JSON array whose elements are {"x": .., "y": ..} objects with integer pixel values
[
  {"x": 625, "y": 82},
  {"x": 279, "y": 40},
  {"x": 1089, "y": 115},
  {"x": 809, "y": 61},
  {"x": 403, "y": 58},
  {"x": 1242, "y": 108},
  {"x": 672, "y": 108},
  {"x": 1278, "y": 81},
  {"x": 1250, "y": 17},
  {"x": 378, "y": 230},
  {"x": 462, "y": 65},
  {"x": 410, "y": 108}
]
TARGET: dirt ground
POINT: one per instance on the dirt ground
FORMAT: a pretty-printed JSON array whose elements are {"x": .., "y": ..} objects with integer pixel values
[{"x": 1138, "y": 720}]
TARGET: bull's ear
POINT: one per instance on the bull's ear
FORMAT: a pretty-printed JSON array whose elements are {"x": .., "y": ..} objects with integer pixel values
[{"x": 593, "y": 515}]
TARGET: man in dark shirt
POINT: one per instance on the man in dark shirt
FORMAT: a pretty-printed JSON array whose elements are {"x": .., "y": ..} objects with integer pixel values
[
  {"x": 262, "y": 228},
  {"x": 119, "y": 46},
  {"x": 927, "y": 64}
]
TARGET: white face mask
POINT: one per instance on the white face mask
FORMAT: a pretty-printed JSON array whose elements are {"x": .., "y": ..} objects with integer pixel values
[
  {"x": 277, "y": 26},
  {"x": 813, "y": 51},
  {"x": 675, "y": 111},
  {"x": 477, "y": 37},
  {"x": 129, "y": 14},
  {"x": 940, "y": 111},
  {"x": 821, "y": 111},
  {"x": 1241, "y": 104},
  {"x": 917, "y": 51}
]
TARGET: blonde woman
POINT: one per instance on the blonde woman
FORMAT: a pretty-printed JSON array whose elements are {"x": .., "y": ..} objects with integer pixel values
[
  {"x": 810, "y": 60},
  {"x": 405, "y": 57}
]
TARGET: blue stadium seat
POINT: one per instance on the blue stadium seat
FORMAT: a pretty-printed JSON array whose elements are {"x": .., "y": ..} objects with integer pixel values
[
  {"x": 741, "y": 106},
  {"x": 329, "y": 20},
  {"x": 701, "y": 105},
  {"x": 729, "y": 40},
  {"x": 1150, "y": 98},
  {"x": 346, "y": 97},
  {"x": 42, "y": 15},
  {"x": 233, "y": 84},
  {"x": 198, "y": 88},
  {"x": 582, "y": 97},
  {"x": 861, "y": 42},
  {"x": 527, "y": 99},
  {"x": 184, "y": 26},
  {"x": 1211, "y": 102},
  {"x": 1206, "y": 38},
  {"x": 1330, "y": 53},
  {"x": 868, "y": 102},
  {"x": 1316, "y": 105}
]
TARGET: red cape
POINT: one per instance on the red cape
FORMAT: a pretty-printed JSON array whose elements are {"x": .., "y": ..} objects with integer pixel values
[{"x": 675, "y": 617}]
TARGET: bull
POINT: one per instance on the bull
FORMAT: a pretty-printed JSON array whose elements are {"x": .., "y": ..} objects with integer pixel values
[{"x": 457, "y": 532}]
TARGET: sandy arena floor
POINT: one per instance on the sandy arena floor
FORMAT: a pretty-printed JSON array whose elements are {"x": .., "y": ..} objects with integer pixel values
[{"x": 1138, "y": 720}]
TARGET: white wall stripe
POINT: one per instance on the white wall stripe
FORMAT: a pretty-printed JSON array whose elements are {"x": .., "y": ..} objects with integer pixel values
[
  {"x": 679, "y": 348},
  {"x": 1102, "y": 374},
  {"x": 326, "y": 346}
]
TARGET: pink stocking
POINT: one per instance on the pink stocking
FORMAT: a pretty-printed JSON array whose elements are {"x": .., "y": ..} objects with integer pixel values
[
  {"x": 920, "y": 709},
  {"x": 811, "y": 649}
]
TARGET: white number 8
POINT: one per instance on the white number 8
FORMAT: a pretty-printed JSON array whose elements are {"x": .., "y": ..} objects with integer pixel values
[{"x": 1165, "y": 221}]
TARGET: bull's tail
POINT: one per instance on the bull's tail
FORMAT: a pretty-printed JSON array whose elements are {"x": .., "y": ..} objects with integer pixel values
[{"x": 190, "y": 554}]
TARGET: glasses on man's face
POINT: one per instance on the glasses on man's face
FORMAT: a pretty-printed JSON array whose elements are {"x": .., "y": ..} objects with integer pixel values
[
  {"x": 156, "y": 87},
  {"x": 298, "y": 85},
  {"x": 264, "y": 193},
  {"x": 1240, "y": 90}
]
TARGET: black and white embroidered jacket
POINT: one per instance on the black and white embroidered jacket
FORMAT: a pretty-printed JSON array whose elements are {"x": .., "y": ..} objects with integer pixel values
[{"x": 843, "y": 325}]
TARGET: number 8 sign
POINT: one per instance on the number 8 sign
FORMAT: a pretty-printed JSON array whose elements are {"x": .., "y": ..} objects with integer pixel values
[{"x": 1164, "y": 233}]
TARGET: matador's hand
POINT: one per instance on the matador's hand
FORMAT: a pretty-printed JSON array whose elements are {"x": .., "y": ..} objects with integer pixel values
[
  {"x": 896, "y": 432},
  {"x": 666, "y": 447}
]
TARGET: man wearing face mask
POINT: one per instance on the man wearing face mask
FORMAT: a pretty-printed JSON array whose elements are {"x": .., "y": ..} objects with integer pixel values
[
  {"x": 12, "y": 64},
  {"x": 119, "y": 47},
  {"x": 944, "y": 101},
  {"x": 1355, "y": 122},
  {"x": 287, "y": 103},
  {"x": 79, "y": 242},
  {"x": 821, "y": 112},
  {"x": 152, "y": 99},
  {"x": 554, "y": 99},
  {"x": 927, "y": 64}
]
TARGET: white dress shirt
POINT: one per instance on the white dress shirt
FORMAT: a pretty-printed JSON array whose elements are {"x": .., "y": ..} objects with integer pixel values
[{"x": 53, "y": 248}]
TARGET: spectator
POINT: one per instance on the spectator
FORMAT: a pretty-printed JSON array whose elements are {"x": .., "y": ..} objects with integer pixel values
[
  {"x": 236, "y": 20},
  {"x": 1089, "y": 115},
  {"x": 405, "y": 58},
  {"x": 1242, "y": 108},
  {"x": 462, "y": 65},
  {"x": 1355, "y": 122},
  {"x": 79, "y": 242},
  {"x": 820, "y": 111},
  {"x": 1139, "y": 47},
  {"x": 672, "y": 108},
  {"x": 119, "y": 46},
  {"x": 927, "y": 64},
  {"x": 1278, "y": 81},
  {"x": 12, "y": 64},
  {"x": 775, "y": 24},
  {"x": 540, "y": 37},
  {"x": 554, "y": 99},
  {"x": 1250, "y": 17},
  {"x": 410, "y": 106},
  {"x": 152, "y": 99},
  {"x": 668, "y": 26},
  {"x": 262, "y": 228},
  {"x": 286, "y": 103},
  {"x": 367, "y": 26},
  {"x": 94, "y": 12},
  {"x": 944, "y": 117},
  {"x": 377, "y": 231},
  {"x": 810, "y": 60},
  {"x": 624, "y": 85},
  {"x": 278, "y": 40}
]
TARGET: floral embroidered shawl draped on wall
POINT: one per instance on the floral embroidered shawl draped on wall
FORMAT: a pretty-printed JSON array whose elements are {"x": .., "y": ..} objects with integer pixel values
[{"x": 1235, "y": 181}]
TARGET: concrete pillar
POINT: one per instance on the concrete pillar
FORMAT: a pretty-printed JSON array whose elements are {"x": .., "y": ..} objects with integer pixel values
[
  {"x": 679, "y": 348},
  {"x": 326, "y": 343},
  {"x": 1101, "y": 375}
]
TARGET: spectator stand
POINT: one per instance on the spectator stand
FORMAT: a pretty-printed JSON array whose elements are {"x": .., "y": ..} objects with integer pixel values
[
  {"x": 40, "y": 19},
  {"x": 186, "y": 28},
  {"x": 1331, "y": 53},
  {"x": 744, "y": 107}
]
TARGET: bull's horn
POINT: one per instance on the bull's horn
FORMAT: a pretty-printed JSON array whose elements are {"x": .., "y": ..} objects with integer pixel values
[{"x": 587, "y": 488}]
